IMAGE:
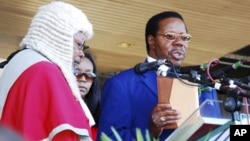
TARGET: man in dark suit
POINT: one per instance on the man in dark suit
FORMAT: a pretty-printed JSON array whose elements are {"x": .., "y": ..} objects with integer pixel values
[{"x": 130, "y": 100}]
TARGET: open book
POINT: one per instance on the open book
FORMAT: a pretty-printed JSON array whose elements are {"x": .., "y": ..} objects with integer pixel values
[{"x": 181, "y": 96}]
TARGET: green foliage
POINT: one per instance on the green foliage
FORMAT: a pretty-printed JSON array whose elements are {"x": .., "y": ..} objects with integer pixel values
[{"x": 139, "y": 136}]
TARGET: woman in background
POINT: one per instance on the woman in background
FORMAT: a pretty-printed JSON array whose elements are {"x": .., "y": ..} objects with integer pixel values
[{"x": 89, "y": 86}]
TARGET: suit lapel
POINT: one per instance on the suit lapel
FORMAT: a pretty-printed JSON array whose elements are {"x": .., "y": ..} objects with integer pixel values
[{"x": 149, "y": 80}]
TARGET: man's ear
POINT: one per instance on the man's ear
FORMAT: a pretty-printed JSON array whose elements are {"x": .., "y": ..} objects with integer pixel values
[{"x": 150, "y": 39}]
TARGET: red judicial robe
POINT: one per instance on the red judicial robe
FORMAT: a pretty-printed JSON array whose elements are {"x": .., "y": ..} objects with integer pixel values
[{"x": 44, "y": 107}]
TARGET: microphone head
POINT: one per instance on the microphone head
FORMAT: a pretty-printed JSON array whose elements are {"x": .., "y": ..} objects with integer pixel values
[
  {"x": 245, "y": 80},
  {"x": 143, "y": 67},
  {"x": 188, "y": 69},
  {"x": 138, "y": 69}
]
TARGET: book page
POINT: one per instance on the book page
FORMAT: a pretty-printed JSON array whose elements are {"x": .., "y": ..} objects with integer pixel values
[{"x": 184, "y": 98}]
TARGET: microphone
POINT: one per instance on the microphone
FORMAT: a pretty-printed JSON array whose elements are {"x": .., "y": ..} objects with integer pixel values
[
  {"x": 144, "y": 67},
  {"x": 225, "y": 86},
  {"x": 166, "y": 71},
  {"x": 188, "y": 69},
  {"x": 222, "y": 71},
  {"x": 245, "y": 80},
  {"x": 237, "y": 82},
  {"x": 164, "y": 68}
]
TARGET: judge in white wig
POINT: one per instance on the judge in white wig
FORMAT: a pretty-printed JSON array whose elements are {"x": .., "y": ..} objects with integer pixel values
[{"x": 39, "y": 94}]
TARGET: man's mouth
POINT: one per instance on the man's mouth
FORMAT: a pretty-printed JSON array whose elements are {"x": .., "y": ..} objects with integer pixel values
[{"x": 178, "y": 54}]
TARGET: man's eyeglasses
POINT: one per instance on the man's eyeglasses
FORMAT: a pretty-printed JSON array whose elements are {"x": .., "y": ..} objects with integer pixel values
[
  {"x": 171, "y": 36},
  {"x": 89, "y": 76},
  {"x": 80, "y": 46},
  {"x": 83, "y": 47}
]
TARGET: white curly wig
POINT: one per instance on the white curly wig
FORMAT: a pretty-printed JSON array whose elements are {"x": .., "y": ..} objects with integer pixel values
[{"x": 51, "y": 33}]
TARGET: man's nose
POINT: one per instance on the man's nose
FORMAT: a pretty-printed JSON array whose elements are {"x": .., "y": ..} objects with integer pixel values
[{"x": 81, "y": 53}]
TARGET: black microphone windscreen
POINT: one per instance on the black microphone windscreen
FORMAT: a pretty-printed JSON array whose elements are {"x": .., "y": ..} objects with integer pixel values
[{"x": 143, "y": 67}]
